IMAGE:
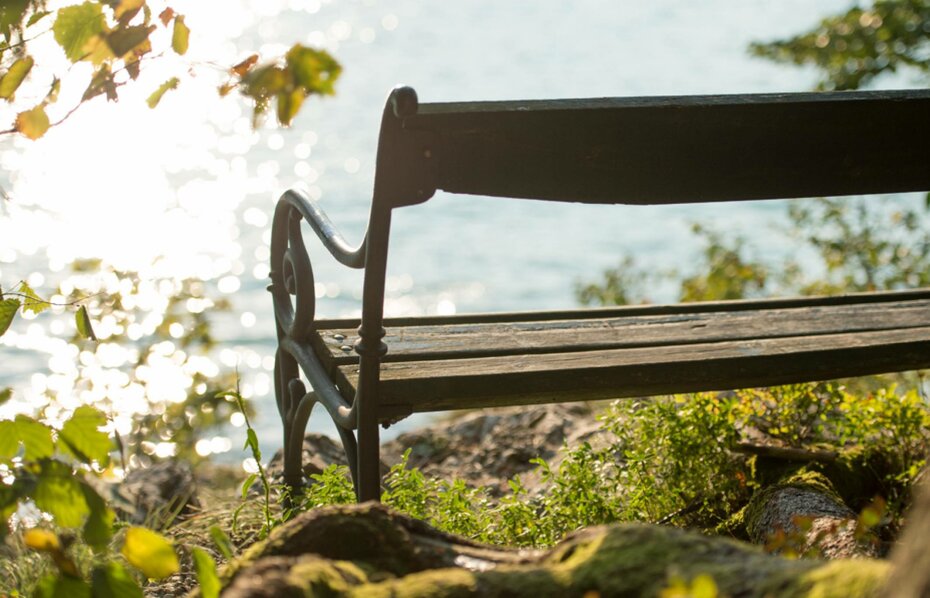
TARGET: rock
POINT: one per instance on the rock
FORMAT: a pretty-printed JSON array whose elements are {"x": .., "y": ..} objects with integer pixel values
[
  {"x": 804, "y": 513},
  {"x": 319, "y": 451},
  {"x": 158, "y": 495},
  {"x": 489, "y": 447},
  {"x": 368, "y": 549},
  {"x": 483, "y": 448}
]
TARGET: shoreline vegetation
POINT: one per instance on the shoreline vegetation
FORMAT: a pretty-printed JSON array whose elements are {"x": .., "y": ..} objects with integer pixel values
[{"x": 815, "y": 490}]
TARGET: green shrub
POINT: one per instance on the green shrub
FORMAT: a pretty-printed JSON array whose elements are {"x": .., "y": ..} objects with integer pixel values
[{"x": 667, "y": 459}]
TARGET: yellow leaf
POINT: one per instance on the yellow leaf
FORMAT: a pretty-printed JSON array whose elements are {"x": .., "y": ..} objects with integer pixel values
[
  {"x": 150, "y": 553},
  {"x": 126, "y": 6},
  {"x": 41, "y": 539},
  {"x": 156, "y": 96},
  {"x": 180, "y": 35},
  {"x": 33, "y": 123},
  {"x": 97, "y": 50},
  {"x": 52, "y": 96},
  {"x": 703, "y": 586},
  {"x": 32, "y": 302},
  {"x": 11, "y": 80}
]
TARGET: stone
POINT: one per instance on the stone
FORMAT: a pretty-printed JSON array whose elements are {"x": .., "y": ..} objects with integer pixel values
[{"x": 158, "y": 495}]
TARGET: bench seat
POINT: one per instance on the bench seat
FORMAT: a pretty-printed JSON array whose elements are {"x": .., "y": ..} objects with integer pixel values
[{"x": 483, "y": 360}]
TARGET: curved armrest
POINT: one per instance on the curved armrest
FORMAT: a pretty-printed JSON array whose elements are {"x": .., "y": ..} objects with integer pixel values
[{"x": 323, "y": 227}]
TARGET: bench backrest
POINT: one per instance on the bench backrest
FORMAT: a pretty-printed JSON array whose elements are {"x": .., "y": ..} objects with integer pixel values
[{"x": 657, "y": 150}]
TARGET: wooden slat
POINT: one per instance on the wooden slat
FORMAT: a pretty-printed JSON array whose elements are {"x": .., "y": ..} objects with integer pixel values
[
  {"x": 639, "y": 310},
  {"x": 521, "y": 379},
  {"x": 438, "y": 341},
  {"x": 682, "y": 149}
]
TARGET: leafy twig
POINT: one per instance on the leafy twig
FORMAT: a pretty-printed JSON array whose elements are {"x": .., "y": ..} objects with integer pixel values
[{"x": 251, "y": 443}]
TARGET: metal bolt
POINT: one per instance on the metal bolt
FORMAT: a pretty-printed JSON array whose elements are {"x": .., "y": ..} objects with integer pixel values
[
  {"x": 339, "y": 337},
  {"x": 346, "y": 348}
]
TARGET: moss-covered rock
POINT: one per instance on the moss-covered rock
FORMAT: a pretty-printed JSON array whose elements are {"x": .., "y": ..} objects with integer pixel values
[{"x": 369, "y": 551}]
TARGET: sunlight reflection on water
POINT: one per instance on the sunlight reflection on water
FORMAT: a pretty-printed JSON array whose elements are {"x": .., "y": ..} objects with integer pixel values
[{"x": 186, "y": 191}]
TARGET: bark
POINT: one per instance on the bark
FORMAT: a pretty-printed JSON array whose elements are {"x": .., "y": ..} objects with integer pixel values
[{"x": 804, "y": 514}]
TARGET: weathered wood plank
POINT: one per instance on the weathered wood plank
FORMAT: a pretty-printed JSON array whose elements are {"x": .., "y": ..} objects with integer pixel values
[
  {"x": 521, "y": 379},
  {"x": 436, "y": 341},
  {"x": 680, "y": 150},
  {"x": 640, "y": 310}
]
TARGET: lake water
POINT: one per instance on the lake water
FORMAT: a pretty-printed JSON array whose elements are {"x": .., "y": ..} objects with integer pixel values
[{"x": 188, "y": 189}]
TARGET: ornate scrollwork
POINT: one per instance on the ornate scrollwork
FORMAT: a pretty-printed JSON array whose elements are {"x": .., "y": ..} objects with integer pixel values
[
  {"x": 293, "y": 294},
  {"x": 291, "y": 275}
]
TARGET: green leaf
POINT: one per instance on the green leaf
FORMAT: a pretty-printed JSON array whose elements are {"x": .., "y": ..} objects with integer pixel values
[
  {"x": 206, "y": 573},
  {"x": 14, "y": 77},
  {"x": 11, "y": 15},
  {"x": 156, "y": 96},
  {"x": 52, "y": 96},
  {"x": 289, "y": 102},
  {"x": 33, "y": 302},
  {"x": 33, "y": 123},
  {"x": 150, "y": 553},
  {"x": 9, "y": 504},
  {"x": 83, "y": 438},
  {"x": 251, "y": 442},
  {"x": 52, "y": 586},
  {"x": 5, "y": 395},
  {"x": 75, "y": 26},
  {"x": 102, "y": 82},
  {"x": 98, "y": 529},
  {"x": 82, "y": 320},
  {"x": 248, "y": 484},
  {"x": 125, "y": 39},
  {"x": 37, "y": 16},
  {"x": 58, "y": 492},
  {"x": 314, "y": 70},
  {"x": 222, "y": 542},
  {"x": 35, "y": 437},
  {"x": 180, "y": 35},
  {"x": 264, "y": 82},
  {"x": 112, "y": 580},
  {"x": 9, "y": 442},
  {"x": 8, "y": 309}
]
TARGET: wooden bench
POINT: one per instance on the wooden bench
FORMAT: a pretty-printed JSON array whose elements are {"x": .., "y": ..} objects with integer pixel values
[{"x": 660, "y": 150}]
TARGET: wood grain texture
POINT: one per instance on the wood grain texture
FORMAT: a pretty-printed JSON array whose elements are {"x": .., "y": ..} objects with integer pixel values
[
  {"x": 681, "y": 149},
  {"x": 481, "y": 360},
  {"x": 558, "y": 377},
  {"x": 449, "y": 341}
]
